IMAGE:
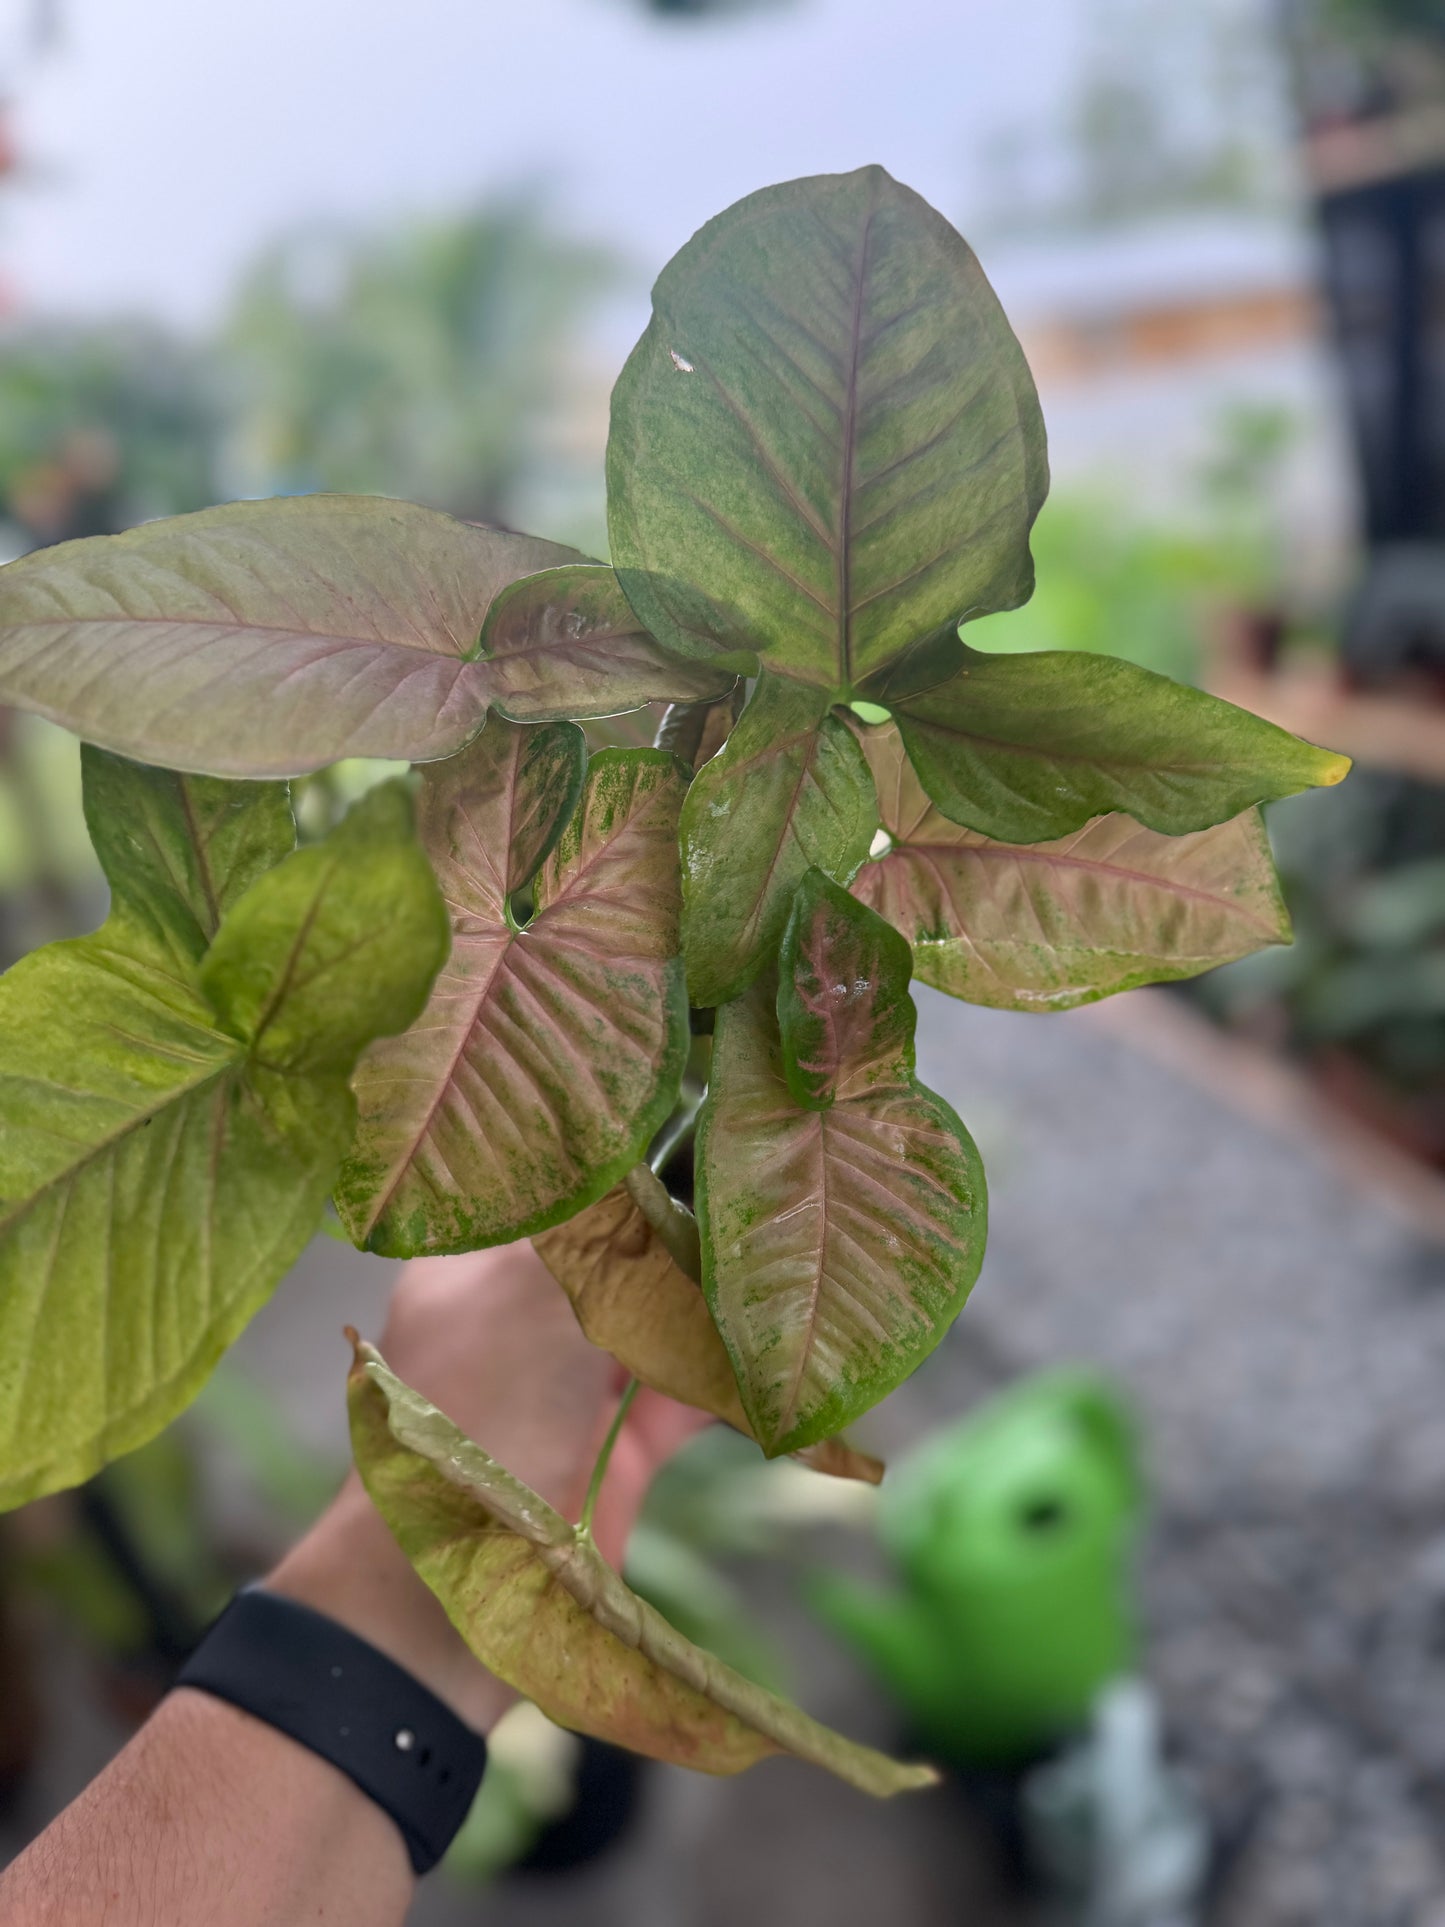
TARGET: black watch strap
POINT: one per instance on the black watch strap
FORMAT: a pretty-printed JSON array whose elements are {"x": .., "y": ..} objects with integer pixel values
[{"x": 312, "y": 1679}]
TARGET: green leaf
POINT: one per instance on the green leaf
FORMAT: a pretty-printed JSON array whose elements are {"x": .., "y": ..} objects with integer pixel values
[
  {"x": 549, "y": 1055},
  {"x": 340, "y": 947},
  {"x": 789, "y": 790},
  {"x": 164, "y": 1159},
  {"x": 566, "y": 643},
  {"x": 1028, "y": 747},
  {"x": 633, "y": 1300},
  {"x": 827, "y": 444},
  {"x": 264, "y": 638},
  {"x": 540, "y": 1607},
  {"x": 1046, "y": 926},
  {"x": 187, "y": 848},
  {"x": 841, "y": 1236}
]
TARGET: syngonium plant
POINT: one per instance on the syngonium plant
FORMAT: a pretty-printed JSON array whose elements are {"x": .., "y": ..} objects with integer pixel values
[{"x": 488, "y": 1004}]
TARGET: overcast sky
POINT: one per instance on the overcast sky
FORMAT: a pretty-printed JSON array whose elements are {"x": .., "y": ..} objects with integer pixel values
[{"x": 170, "y": 138}]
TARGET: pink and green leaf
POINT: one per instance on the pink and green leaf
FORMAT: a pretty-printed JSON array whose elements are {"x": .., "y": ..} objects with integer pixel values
[
  {"x": 841, "y": 1235},
  {"x": 264, "y": 638},
  {"x": 789, "y": 791},
  {"x": 1046, "y": 926},
  {"x": 827, "y": 444},
  {"x": 549, "y": 1054},
  {"x": 565, "y": 643},
  {"x": 634, "y": 1300}
]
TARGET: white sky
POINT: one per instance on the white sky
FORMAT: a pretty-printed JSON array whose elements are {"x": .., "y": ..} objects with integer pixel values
[{"x": 168, "y": 139}]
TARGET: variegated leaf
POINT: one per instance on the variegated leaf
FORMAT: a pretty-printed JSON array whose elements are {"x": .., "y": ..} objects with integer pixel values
[
  {"x": 634, "y": 1300},
  {"x": 565, "y": 643},
  {"x": 1046, "y": 926},
  {"x": 549, "y": 1053},
  {"x": 174, "y": 1103},
  {"x": 827, "y": 444},
  {"x": 841, "y": 1202},
  {"x": 789, "y": 790}
]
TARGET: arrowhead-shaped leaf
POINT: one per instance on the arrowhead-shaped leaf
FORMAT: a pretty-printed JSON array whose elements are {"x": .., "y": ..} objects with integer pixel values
[
  {"x": 1045, "y": 926},
  {"x": 264, "y": 638},
  {"x": 632, "y": 1299},
  {"x": 171, "y": 1122},
  {"x": 1028, "y": 747},
  {"x": 789, "y": 791},
  {"x": 541, "y": 1608},
  {"x": 827, "y": 443},
  {"x": 842, "y": 1232},
  {"x": 549, "y": 1055},
  {"x": 565, "y": 643}
]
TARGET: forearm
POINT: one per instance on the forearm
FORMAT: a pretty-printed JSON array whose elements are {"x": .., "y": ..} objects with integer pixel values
[{"x": 208, "y": 1815}]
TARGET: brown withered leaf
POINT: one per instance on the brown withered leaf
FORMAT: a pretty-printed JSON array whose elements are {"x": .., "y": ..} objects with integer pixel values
[{"x": 633, "y": 1300}]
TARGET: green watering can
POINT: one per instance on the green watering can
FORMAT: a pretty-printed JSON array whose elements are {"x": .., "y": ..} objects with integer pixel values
[{"x": 1010, "y": 1537}]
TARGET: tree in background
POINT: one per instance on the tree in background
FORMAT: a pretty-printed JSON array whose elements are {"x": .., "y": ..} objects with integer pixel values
[{"x": 424, "y": 361}]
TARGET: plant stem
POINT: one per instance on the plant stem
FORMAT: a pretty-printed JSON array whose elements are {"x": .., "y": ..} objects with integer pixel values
[
  {"x": 682, "y": 1129},
  {"x": 672, "y": 1222},
  {"x": 599, "y": 1471}
]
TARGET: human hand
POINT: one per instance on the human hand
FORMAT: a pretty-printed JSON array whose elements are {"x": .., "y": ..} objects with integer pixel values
[{"x": 490, "y": 1340}]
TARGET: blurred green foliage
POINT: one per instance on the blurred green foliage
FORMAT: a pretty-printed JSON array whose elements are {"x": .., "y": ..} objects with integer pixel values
[
  {"x": 101, "y": 428},
  {"x": 423, "y": 362},
  {"x": 1365, "y": 881},
  {"x": 1111, "y": 583},
  {"x": 1111, "y": 580}
]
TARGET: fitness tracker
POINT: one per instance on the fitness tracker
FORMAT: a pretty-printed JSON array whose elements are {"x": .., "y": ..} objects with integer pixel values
[{"x": 318, "y": 1683}]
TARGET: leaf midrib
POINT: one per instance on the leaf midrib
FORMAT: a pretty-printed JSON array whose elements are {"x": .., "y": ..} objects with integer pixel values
[
  {"x": 850, "y": 416},
  {"x": 236, "y": 626}
]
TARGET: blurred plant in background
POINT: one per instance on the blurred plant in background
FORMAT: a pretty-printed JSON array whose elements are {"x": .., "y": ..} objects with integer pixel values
[
  {"x": 101, "y": 427},
  {"x": 1361, "y": 992},
  {"x": 432, "y": 362},
  {"x": 1112, "y": 580}
]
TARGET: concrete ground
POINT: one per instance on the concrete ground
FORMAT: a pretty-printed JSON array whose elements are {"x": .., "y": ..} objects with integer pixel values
[{"x": 1279, "y": 1318}]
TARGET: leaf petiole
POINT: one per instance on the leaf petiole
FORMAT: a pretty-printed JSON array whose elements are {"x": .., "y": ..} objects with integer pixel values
[{"x": 604, "y": 1457}]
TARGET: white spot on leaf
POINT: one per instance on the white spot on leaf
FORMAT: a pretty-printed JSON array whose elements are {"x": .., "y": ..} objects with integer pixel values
[{"x": 681, "y": 363}]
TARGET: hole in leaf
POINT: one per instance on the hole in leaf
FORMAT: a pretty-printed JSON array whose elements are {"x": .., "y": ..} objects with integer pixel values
[
  {"x": 1044, "y": 1514},
  {"x": 521, "y": 907},
  {"x": 880, "y": 846},
  {"x": 869, "y": 712}
]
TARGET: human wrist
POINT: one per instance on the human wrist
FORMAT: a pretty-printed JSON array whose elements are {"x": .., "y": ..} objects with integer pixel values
[{"x": 349, "y": 1567}]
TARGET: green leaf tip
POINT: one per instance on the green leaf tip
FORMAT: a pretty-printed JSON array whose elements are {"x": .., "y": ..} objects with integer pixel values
[
  {"x": 1025, "y": 748},
  {"x": 541, "y": 1608},
  {"x": 1048, "y": 926}
]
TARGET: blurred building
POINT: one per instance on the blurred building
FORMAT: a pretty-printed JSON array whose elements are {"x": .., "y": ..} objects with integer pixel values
[{"x": 1154, "y": 344}]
